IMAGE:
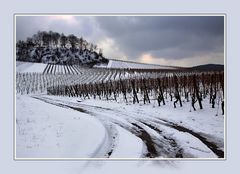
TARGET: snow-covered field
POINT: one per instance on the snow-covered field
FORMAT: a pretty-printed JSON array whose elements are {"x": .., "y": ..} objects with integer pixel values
[
  {"x": 119, "y": 64},
  {"x": 28, "y": 67},
  {"x": 60, "y": 132},
  {"x": 24, "y": 67},
  {"x": 64, "y": 127},
  {"x": 70, "y": 127},
  {"x": 45, "y": 130}
]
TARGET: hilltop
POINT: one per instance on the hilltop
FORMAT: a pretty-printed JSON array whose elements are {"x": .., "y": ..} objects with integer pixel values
[
  {"x": 52, "y": 47},
  {"x": 209, "y": 67}
]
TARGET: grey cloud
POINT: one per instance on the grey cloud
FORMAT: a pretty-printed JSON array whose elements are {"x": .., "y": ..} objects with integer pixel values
[
  {"x": 169, "y": 37},
  {"x": 172, "y": 37},
  {"x": 29, "y": 25}
]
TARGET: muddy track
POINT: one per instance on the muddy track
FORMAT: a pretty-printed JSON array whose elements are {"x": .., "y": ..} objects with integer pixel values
[
  {"x": 152, "y": 152},
  {"x": 175, "y": 149},
  {"x": 160, "y": 145},
  {"x": 135, "y": 129},
  {"x": 167, "y": 145},
  {"x": 204, "y": 140},
  {"x": 112, "y": 134},
  {"x": 141, "y": 133}
]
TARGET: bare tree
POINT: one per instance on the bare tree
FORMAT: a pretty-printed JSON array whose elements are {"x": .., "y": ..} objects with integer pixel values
[{"x": 63, "y": 40}]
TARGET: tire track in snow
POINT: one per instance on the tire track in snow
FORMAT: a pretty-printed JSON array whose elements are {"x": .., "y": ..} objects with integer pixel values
[
  {"x": 110, "y": 139},
  {"x": 135, "y": 129},
  {"x": 204, "y": 140},
  {"x": 175, "y": 149},
  {"x": 147, "y": 139},
  {"x": 167, "y": 145},
  {"x": 106, "y": 148},
  {"x": 157, "y": 146},
  {"x": 211, "y": 145}
]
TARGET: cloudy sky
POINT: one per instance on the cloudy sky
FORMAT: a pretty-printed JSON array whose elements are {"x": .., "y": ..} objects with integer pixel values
[{"x": 165, "y": 40}]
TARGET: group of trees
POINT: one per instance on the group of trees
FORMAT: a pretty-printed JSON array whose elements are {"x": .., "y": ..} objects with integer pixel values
[
  {"x": 55, "y": 39},
  {"x": 53, "y": 44},
  {"x": 191, "y": 88}
]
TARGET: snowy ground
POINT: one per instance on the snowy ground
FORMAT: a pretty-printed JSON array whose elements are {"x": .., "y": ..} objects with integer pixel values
[
  {"x": 44, "y": 130},
  {"x": 28, "y": 67},
  {"x": 25, "y": 67},
  {"x": 120, "y": 64},
  {"x": 54, "y": 127}
]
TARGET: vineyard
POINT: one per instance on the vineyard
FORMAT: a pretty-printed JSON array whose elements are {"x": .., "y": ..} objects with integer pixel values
[
  {"x": 33, "y": 83},
  {"x": 144, "y": 106},
  {"x": 150, "y": 87},
  {"x": 136, "y": 86}
]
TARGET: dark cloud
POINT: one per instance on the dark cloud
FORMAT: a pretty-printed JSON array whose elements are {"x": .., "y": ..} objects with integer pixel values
[
  {"x": 165, "y": 37},
  {"x": 170, "y": 37},
  {"x": 28, "y": 25}
]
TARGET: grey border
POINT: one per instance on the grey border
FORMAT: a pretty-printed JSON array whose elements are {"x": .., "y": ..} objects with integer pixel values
[{"x": 120, "y": 159}]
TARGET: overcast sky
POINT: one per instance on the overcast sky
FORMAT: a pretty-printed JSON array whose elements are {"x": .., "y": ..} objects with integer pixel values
[{"x": 165, "y": 40}]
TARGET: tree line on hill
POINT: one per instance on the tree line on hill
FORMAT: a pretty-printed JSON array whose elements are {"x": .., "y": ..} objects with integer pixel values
[{"x": 52, "y": 47}]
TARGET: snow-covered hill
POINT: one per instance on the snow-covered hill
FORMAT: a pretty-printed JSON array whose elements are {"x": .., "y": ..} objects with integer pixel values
[
  {"x": 120, "y": 64},
  {"x": 53, "y": 68},
  {"x": 60, "y": 55}
]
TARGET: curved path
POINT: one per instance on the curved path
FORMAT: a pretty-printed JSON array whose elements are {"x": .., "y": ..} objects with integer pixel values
[{"x": 150, "y": 130}]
